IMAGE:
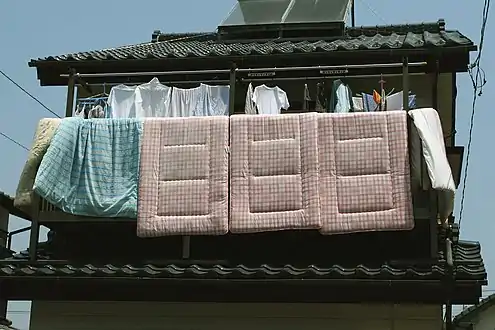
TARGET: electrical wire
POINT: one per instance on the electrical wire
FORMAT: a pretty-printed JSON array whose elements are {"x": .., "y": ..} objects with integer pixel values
[
  {"x": 478, "y": 79},
  {"x": 14, "y": 141},
  {"x": 27, "y": 93},
  {"x": 373, "y": 11}
]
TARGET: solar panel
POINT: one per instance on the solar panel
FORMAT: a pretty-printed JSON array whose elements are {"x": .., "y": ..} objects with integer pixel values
[
  {"x": 316, "y": 11},
  {"x": 252, "y": 12}
]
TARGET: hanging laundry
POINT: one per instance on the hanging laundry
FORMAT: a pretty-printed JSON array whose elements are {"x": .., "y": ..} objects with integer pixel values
[
  {"x": 96, "y": 112},
  {"x": 122, "y": 101},
  {"x": 79, "y": 112},
  {"x": 213, "y": 101},
  {"x": 396, "y": 101},
  {"x": 340, "y": 98},
  {"x": 250, "y": 107},
  {"x": 306, "y": 97},
  {"x": 369, "y": 103},
  {"x": 358, "y": 104},
  {"x": 184, "y": 101},
  {"x": 321, "y": 99},
  {"x": 377, "y": 97},
  {"x": 270, "y": 100},
  {"x": 91, "y": 107},
  {"x": 146, "y": 100},
  {"x": 152, "y": 99}
]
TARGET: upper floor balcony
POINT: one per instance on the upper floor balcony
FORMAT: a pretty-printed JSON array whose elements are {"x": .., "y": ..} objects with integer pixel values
[
  {"x": 334, "y": 188},
  {"x": 341, "y": 151}
]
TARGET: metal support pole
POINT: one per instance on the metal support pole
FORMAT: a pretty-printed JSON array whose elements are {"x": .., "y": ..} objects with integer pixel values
[
  {"x": 35, "y": 228},
  {"x": 232, "y": 82},
  {"x": 450, "y": 281},
  {"x": 272, "y": 69},
  {"x": 405, "y": 83},
  {"x": 4, "y": 226},
  {"x": 434, "y": 87},
  {"x": 186, "y": 247},
  {"x": 353, "y": 13},
  {"x": 70, "y": 93},
  {"x": 454, "y": 107}
]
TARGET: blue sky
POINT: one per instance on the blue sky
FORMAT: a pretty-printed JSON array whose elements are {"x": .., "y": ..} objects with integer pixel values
[{"x": 31, "y": 29}]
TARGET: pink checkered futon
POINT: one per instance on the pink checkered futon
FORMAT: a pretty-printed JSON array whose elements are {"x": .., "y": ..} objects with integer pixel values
[
  {"x": 364, "y": 172},
  {"x": 183, "y": 187},
  {"x": 274, "y": 173}
]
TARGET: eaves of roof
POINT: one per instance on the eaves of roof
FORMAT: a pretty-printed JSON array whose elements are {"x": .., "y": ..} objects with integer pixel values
[
  {"x": 208, "y": 45},
  {"x": 467, "y": 256}
]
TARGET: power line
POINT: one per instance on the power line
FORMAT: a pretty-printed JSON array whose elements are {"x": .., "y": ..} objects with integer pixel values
[
  {"x": 373, "y": 11},
  {"x": 478, "y": 79},
  {"x": 27, "y": 93},
  {"x": 14, "y": 141}
]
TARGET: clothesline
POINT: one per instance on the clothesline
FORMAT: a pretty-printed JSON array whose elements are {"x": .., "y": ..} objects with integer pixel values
[
  {"x": 246, "y": 70},
  {"x": 154, "y": 99}
]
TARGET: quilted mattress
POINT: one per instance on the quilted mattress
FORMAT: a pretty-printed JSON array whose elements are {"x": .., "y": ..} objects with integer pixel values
[
  {"x": 364, "y": 172},
  {"x": 183, "y": 188},
  {"x": 274, "y": 173}
]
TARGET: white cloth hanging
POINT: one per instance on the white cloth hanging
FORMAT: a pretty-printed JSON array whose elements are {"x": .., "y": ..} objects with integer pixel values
[
  {"x": 184, "y": 101},
  {"x": 427, "y": 121},
  {"x": 213, "y": 101},
  {"x": 146, "y": 100},
  {"x": 152, "y": 99},
  {"x": 250, "y": 107},
  {"x": 270, "y": 100},
  {"x": 122, "y": 101}
]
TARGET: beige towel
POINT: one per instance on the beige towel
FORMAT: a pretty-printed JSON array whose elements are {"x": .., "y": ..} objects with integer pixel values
[{"x": 42, "y": 138}]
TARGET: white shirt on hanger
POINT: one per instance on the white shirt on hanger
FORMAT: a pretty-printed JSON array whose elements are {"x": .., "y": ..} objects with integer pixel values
[
  {"x": 153, "y": 99},
  {"x": 122, "y": 101},
  {"x": 270, "y": 100},
  {"x": 146, "y": 100}
]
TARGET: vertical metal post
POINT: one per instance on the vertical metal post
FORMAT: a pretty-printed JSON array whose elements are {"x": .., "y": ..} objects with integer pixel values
[
  {"x": 353, "y": 13},
  {"x": 405, "y": 83},
  {"x": 434, "y": 86},
  {"x": 4, "y": 228},
  {"x": 186, "y": 247},
  {"x": 35, "y": 227},
  {"x": 232, "y": 82},
  {"x": 454, "y": 107},
  {"x": 71, "y": 84}
]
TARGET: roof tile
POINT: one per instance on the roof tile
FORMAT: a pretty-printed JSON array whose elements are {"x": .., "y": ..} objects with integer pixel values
[
  {"x": 468, "y": 260},
  {"x": 201, "y": 45}
]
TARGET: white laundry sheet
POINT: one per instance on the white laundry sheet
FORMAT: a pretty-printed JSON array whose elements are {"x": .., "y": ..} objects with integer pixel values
[{"x": 429, "y": 129}]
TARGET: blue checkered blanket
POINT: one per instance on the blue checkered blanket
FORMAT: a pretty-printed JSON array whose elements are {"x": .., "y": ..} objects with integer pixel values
[{"x": 91, "y": 167}]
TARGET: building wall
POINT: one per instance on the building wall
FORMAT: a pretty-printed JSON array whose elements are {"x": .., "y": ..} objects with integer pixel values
[{"x": 210, "y": 316}]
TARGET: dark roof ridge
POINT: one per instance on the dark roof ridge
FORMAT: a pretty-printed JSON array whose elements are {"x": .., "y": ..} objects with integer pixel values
[{"x": 434, "y": 27}]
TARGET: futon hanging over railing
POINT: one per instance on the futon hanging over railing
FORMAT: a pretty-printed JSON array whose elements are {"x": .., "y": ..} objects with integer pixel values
[{"x": 337, "y": 173}]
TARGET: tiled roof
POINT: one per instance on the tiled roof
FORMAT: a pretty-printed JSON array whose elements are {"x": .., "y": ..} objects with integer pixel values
[
  {"x": 469, "y": 313},
  {"x": 468, "y": 260},
  {"x": 208, "y": 44}
]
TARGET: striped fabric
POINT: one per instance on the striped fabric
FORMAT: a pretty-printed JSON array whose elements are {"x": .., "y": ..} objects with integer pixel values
[{"x": 91, "y": 167}]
